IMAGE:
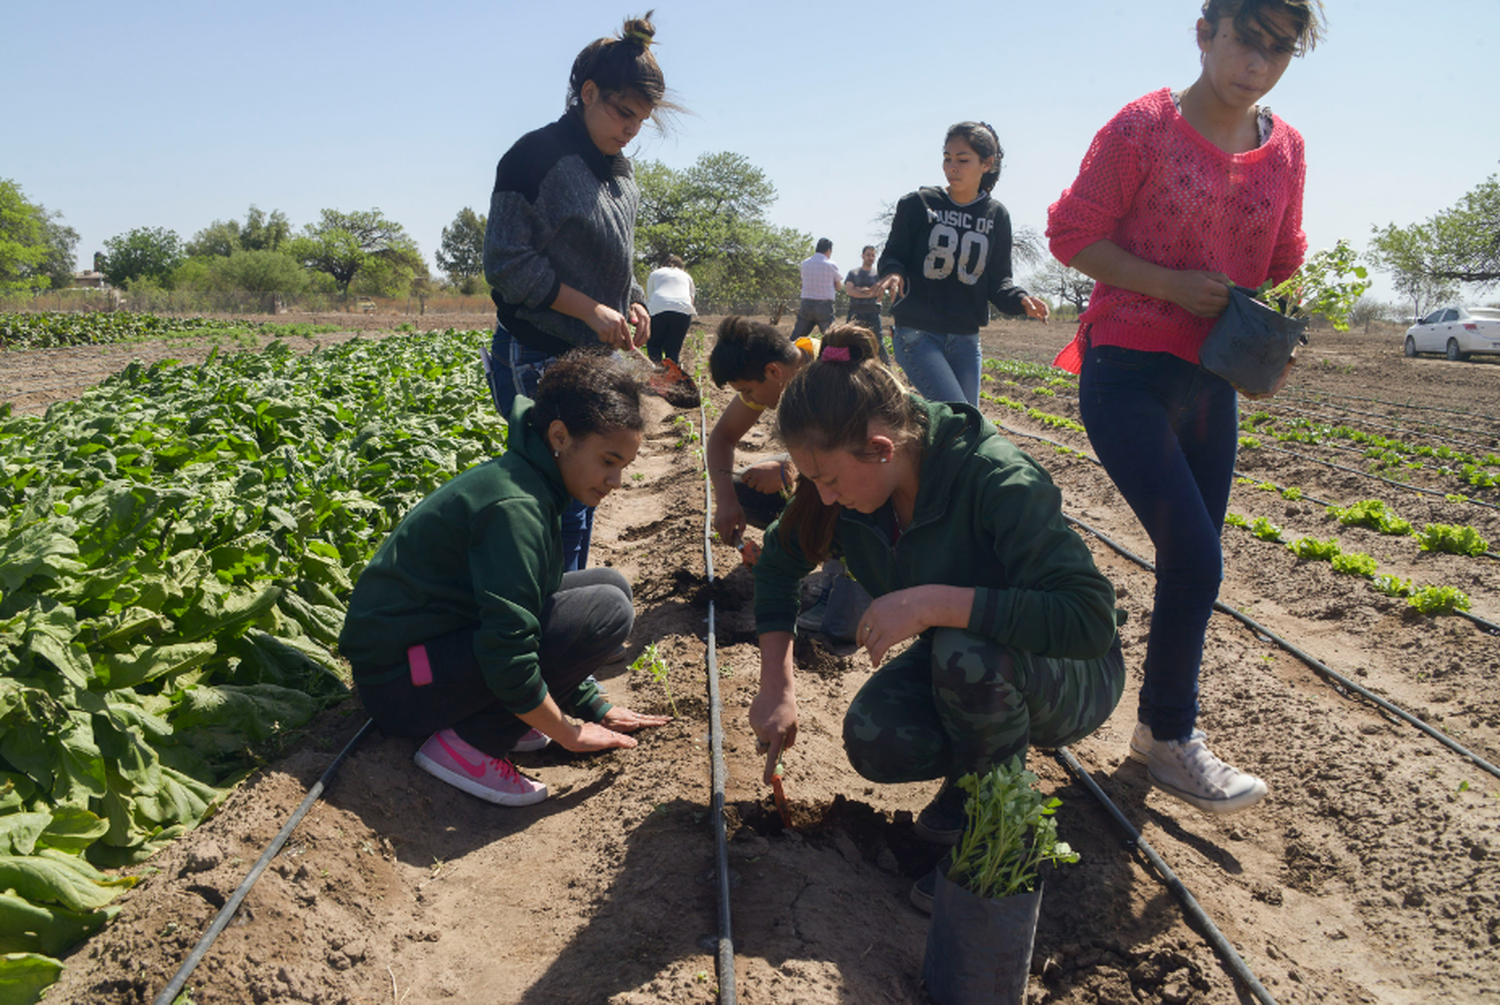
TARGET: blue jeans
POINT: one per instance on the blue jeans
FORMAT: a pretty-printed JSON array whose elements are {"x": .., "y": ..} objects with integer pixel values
[
  {"x": 1167, "y": 432},
  {"x": 515, "y": 369},
  {"x": 941, "y": 367}
]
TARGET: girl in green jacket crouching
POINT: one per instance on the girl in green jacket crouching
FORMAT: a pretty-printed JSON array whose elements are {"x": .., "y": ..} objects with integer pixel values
[
  {"x": 960, "y": 538},
  {"x": 464, "y": 629}
]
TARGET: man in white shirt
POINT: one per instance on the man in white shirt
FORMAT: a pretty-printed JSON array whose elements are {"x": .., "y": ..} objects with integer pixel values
[{"x": 821, "y": 282}]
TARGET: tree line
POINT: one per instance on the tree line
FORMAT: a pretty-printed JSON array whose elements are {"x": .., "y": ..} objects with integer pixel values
[{"x": 713, "y": 214}]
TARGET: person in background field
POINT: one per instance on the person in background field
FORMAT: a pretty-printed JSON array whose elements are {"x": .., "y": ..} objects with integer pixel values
[
  {"x": 960, "y": 538},
  {"x": 947, "y": 259},
  {"x": 865, "y": 294},
  {"x": 559, "y": 244},
  {"x": 1181, "y": 194},
  {"x": 464, "y": 628},
  {"x": 756, "y": 360},
  {"x": 669, "y": 299},
  {"x": 820, "y": 285}
]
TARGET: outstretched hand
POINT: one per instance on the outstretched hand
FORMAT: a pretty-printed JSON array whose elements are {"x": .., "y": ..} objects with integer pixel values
[{"x": 623, "y": 720}]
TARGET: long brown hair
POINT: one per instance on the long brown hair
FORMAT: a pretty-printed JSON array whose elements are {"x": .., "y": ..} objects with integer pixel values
[{"x": 828, "y": 405}]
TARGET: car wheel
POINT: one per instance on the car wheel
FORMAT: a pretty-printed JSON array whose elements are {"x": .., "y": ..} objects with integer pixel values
[
  {"x": 1411, "y": 347},
  {"x": 1453, "y": 354}
]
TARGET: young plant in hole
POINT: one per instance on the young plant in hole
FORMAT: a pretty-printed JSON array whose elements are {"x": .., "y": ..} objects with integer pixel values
[
  {"x": 650, "y": 661},
  {"x": 1009, "y": 833},
  {"x": 1312, "y": 549}
]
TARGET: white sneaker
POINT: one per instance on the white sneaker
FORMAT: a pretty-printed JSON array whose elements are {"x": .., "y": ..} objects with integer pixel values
[
  {"x": 1188, "y": 770},
  {"x": 1140, "y": 743}
]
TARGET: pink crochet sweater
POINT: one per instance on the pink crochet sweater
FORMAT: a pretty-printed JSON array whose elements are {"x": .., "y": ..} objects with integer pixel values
[{"x": 1154, "y": 186}]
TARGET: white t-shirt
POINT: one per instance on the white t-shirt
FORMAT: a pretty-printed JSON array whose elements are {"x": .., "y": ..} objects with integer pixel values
[{"x": 669, "y": 289}]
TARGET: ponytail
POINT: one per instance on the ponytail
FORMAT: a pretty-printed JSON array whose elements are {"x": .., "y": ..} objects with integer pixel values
[{"x": 829, "y": 405}]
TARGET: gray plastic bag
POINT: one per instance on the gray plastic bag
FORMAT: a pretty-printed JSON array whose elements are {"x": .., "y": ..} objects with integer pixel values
[
  {"x": 1251, "y": 344},
  {"x": 978, "y": 948}
]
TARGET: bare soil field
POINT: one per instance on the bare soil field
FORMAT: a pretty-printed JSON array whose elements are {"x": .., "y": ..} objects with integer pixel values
[{"x": 1369, "y": 873}]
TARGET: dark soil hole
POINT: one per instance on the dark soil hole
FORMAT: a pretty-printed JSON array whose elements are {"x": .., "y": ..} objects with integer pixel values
[{"x": 871, "y": 830}]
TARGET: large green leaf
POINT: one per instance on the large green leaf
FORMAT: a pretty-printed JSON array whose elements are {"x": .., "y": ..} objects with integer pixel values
[
  {"x": 40, "y": 549},
  {"x": 51, "y": 877},
  {"x": 26, "y": 927},
  {"x": 24, "y": 976},
  {"x": 227, "y": 718},
  {"x": 145, "y": 663}
]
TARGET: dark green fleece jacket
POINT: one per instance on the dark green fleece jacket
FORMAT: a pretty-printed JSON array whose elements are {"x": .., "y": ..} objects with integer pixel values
[
  {"x": 987, "y": 516},
  {"x": 485, "y": 549}
]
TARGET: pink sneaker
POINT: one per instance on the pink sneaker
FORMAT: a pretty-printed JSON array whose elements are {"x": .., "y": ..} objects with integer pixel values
[
  {"x": 493, "y": 779},
  {"x": 533, "y": 740}
]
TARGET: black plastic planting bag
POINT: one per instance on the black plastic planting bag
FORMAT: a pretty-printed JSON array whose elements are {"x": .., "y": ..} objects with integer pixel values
[
  {"x": 979, "y": 949},
  {"x": 1251, "y": 344}
]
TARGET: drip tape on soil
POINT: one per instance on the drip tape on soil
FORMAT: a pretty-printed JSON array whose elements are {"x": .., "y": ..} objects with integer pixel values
[
  {"x": 1342, "y": 684},
  {"x": 174, "y": 986},
  {"x": 716, "y": 748}
]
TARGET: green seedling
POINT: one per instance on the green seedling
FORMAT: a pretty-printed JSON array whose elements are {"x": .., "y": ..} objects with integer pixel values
[
  {"x": 1248, "y": 443},
  {"x": 650, "y": 661},
  {"x": 1464, "y": 540},
  {"x": 1236, "y": 520},
  {"x": 1371, "y": 513},
  {"x": 1439, "y": 600},
  {"x": 1291, "y": 493},
  {"x": 1393, "y": 586},
  {"x": 1008, "y": 835},
  {"x": 1311, "y": 549},
  {"x": 1265, "y": 529},
  {"x": 1354, "y": 563},
  {"x": 637, "y": 476},
  {"x": 1319, "y": 287}
]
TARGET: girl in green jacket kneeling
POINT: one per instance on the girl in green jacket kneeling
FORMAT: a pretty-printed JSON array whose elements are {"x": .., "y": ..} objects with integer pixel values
[
  {"x": 960, "y": 538},
  {"x": 464, "y": 629}
]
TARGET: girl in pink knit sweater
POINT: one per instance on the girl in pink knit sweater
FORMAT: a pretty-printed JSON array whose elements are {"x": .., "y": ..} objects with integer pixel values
[{"x": 1182, "y": 195}]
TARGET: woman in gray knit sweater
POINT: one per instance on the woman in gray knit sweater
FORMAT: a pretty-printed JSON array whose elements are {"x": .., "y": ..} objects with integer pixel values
[{"x": 559, "y": 242}]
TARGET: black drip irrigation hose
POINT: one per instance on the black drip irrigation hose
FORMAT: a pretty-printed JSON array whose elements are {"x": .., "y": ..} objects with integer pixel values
[
  {"x": 1366, "y": 474},
  {"x": 174, "y": 986},
  {"x": 1396, "y": 404},
  {"x": 716, "y": 746},
  {"x": 1342, "y": 683},
  {"x": 1169, "y": 879},
  {"x": 1380, "y": 425}
]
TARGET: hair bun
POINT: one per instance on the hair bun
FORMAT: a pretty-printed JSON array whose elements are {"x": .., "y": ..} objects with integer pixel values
[{"x": 640, "y": 31}]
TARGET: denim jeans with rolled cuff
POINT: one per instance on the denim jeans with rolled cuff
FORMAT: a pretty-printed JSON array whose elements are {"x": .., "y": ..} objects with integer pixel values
[
  {"x": 1167, "y": 431},
  {"x": 941, "y": 367},
  {"x": 515, "y": 369}
]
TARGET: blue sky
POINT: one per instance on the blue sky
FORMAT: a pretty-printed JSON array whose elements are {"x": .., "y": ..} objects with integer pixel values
[{"x": 174, "y": 114}]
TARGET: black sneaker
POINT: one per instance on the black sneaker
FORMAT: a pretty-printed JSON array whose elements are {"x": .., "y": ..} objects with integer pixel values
[
  {"x": 942, "y": 821},
  {"x": 924, "y": 889}
]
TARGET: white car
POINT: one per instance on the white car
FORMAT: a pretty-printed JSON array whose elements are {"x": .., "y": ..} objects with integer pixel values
[{"x": 1456, "y": 331}]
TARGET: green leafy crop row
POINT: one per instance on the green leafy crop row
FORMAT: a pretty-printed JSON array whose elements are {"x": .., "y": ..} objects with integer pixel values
[
  {"x": 177, "y": 550},
  {"x": 44, "y": 330}
]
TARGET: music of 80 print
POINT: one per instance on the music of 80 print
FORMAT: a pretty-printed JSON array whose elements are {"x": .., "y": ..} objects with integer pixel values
[{"x": 948, "y": 250}]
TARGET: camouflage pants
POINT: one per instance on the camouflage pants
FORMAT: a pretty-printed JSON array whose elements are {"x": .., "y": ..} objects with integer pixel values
[{"x": 958, "y": 702}]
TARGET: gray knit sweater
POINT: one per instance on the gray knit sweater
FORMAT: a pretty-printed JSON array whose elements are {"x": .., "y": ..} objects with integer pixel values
[{"x": 562, "y": 212}]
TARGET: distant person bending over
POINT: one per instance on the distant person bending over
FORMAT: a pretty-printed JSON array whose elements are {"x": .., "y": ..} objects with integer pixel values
[
  {"x": 559, "y": 244},
  {"x": 820, "y": 286},
  {"x": 756, "y": 360},
  {"x": 947, "y": 259},
  {"x": 1181, "y": 194},
  {"x": 669, "y": 298},
  {"x": 465, "y": 630},
  {"x": 865, "y": 293},
  {"x": 960, "y": 538}
]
